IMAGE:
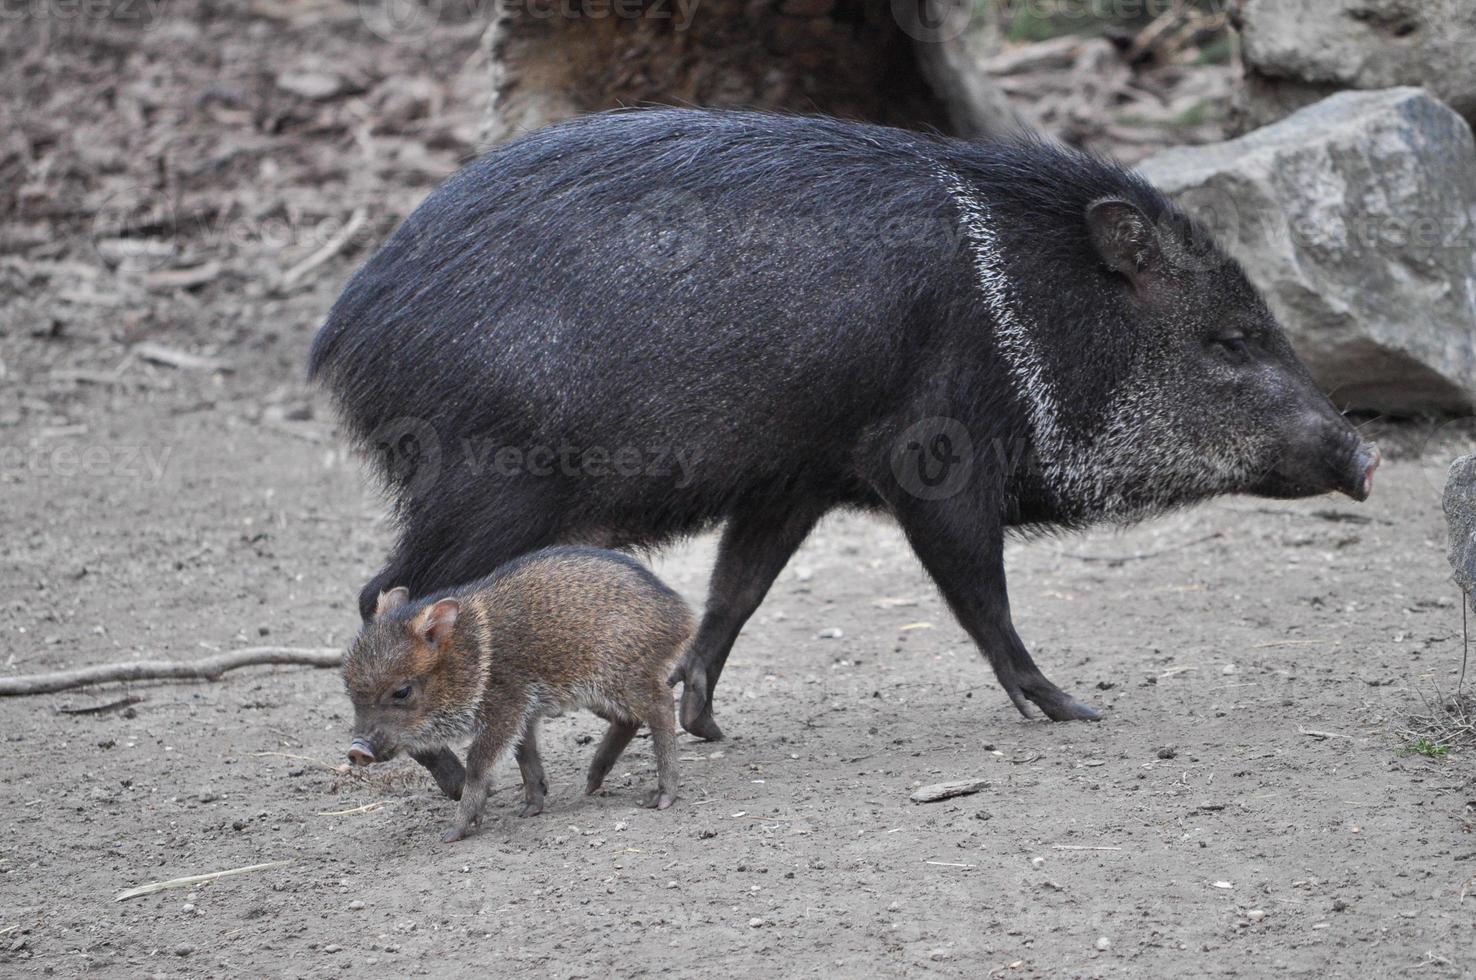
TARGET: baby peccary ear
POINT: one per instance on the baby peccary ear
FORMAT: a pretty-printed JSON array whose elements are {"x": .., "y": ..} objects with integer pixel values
[
  {"x": 391, "y": 600},
  {"x": 437, "y": 622},
  {"x": 1124, "y": 238}
]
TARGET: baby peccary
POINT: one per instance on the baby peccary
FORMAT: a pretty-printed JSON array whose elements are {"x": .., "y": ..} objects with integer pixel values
[{"x": 560, "y": 628}]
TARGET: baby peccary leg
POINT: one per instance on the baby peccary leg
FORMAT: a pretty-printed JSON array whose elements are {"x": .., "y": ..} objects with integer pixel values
[
  {"x": 503, "y": 730},
  {"x": 445, "y": 769},
  {"x": 535, "y": 787},
  {"x": 617, "y": 737},
  {"x": 660, "y": 719}
]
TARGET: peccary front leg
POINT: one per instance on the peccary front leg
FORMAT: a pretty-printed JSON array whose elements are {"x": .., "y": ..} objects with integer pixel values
[
  {"x": 502, "y": 732},
  {"x": 753, "y": 551},
  {"x": 445, "y": 769},
  {"x": 965, "y": 556}
]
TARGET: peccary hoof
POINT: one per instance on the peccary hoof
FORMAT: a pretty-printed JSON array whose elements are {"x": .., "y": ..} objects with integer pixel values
[
  {"x": 1056, "y": 703},
  {"x": 1072, "y": 711},
  {"x": 696, "y": 714},
  {"x": 657, "y": 800},
  {"x": 701, "y": 723}
]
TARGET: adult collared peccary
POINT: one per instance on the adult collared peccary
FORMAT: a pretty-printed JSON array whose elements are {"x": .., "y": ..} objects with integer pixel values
[
  {"x": 561, "y": 628},
  {"x": 812, "y": 314}
]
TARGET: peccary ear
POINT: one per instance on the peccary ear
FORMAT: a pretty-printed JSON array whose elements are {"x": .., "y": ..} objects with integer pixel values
[
  {"x": 391, "y": 600},
  {"x": 1124, "y": 237},
  {"x": 436, "y": 623}
]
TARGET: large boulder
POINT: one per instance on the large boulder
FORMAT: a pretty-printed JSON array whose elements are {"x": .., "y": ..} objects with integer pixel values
[
  {"x": 1356, "y": 218},
  {"x": 1297, "y": 51},
  {"x": 1460, "y": 515}
]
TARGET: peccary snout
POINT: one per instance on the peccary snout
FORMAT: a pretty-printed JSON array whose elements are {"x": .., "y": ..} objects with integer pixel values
[
  {"x": 1341, "y": 461},
  {"x": 361, "y": 753},
  {"x": 1365, "y": 461},
  {"x": 1324, "y": 453}
]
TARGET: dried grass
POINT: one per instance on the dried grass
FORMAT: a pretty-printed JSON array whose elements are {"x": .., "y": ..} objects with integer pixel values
[{"x": 1446, "y": 722}]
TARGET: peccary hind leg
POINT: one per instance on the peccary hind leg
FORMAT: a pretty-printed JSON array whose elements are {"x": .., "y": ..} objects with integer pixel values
[
  {"x": 965, "y": 557},
  {"x": 658, "y": 716},
  {"x": 753, "y": 551},
  {"x": 617, "y": 737},
  {"x": 535, "y": 787}
]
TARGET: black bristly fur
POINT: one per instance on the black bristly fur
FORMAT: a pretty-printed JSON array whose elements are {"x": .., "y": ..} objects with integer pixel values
[{"x": 778, "y": 298}]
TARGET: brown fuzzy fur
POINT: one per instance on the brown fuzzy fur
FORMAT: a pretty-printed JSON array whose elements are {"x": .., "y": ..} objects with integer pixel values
[{"x": 558, "y": 629}]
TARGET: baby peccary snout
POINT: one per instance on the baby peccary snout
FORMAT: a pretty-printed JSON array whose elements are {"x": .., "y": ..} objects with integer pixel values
[
  {"x": 557, "y": 629},
  {"x": 360, "y": 752}
]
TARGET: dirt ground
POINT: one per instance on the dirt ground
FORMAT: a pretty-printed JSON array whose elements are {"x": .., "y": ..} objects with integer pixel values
[{"x": 1247, "y": 806}]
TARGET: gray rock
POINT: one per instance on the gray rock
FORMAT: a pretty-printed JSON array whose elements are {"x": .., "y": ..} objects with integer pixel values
[
  {"x": 1298, "y": 51},
  {"x": 1460, "y": 517},
  {"x": 944, "y": 791},
  {"x": 317, "y": 86},
  {"x": 1356, "y": 219}
]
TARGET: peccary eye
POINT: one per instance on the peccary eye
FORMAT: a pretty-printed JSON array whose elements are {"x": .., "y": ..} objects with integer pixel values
[
  {"x": 1234, "y": 343},
  {"x": 402, "y": 694}
]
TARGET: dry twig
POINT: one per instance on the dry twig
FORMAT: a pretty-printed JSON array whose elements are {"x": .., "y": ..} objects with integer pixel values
[
  {"x": 184, "y": 360},
  {"x": 159, "y": 886},
  {"x": 366, "y": 808},
  {"x": 205, "y": 669},
  {"x": 101, "y": 709}
]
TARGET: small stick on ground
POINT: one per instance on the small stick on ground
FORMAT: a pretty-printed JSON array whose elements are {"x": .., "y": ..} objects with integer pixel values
[
  {"x": 159, "y": 886},
  {"x": 101, "y": 709},
  {"x": 366, "y": 808},
  {"x": 1320, "y": 735},
  {"x": 340, "y": 769},
  {"x": 205, "y": 669},
  {"x": 183, "y": 360}
]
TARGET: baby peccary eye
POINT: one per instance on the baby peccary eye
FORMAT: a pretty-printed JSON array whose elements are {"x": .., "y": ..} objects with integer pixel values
[
  {"x": 1235, "y": 343},
  {"x": 402, "y": 694}
]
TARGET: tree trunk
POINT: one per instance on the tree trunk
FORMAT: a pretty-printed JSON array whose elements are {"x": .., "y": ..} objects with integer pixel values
[{"x": 898, "y": 62}]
